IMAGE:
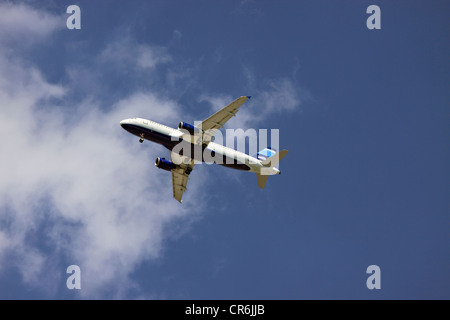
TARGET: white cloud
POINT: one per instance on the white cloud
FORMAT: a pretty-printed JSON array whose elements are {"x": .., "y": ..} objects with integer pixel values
[
  {"x": 22, "y": 24},
  {"x": 126, "y": 52},
  {"x": 149, "y": 57},
  {"x": 91, "y": 174},
  {"x": 141, "y": 104},
  {"x": 273, "y": 97},
  {"x": 74, "y": 185},
  {"x": 108, "y": 204}
]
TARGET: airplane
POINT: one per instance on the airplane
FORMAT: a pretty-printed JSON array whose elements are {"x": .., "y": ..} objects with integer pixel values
[{"x": 192, "y": 144}]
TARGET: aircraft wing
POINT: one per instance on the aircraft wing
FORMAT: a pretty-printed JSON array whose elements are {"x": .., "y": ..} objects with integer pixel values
[
  {"x": 180, "y": 175},
  {"x": 218, "y": 119}
]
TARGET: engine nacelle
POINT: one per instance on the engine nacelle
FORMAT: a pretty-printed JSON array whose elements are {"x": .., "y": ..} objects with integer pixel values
[
  {"x": 164, "y": 164},
  {"x": 188, "y": 127}
]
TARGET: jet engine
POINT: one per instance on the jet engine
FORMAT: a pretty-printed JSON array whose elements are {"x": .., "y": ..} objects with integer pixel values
[
  {"x": 164, "y": 164},
  {"x": 188, "y": 127}
]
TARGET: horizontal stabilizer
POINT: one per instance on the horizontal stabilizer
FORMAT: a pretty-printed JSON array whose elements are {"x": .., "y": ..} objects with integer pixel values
[{"x": 273, "y": 160}]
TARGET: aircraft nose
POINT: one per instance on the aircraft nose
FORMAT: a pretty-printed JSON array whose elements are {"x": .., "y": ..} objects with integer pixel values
[{"x": 124, "y": 123}]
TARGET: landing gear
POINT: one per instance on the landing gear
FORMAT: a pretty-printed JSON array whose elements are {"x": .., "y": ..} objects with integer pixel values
[
  {"x": 142, "y": 138},
  {"x": 188, "y": 171}
]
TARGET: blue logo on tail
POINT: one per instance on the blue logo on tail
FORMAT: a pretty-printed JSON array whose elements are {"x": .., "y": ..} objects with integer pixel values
[{"x": 265, "y": 153}]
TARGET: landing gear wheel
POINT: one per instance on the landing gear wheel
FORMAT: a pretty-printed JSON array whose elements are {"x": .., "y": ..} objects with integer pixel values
[
  {"x": 188, "y": 171},
  {"x": 142, "y": 138}
]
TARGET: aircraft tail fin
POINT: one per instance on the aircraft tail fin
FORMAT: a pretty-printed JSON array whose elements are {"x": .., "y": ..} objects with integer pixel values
[{"x": 269, "y": 163}]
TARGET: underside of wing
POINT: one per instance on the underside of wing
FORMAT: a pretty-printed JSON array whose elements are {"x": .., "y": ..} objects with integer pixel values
[
  {"x": 180, "y": 175},
  {"x": 210, "y": 125},
  {"x": 179, "y": 182}
]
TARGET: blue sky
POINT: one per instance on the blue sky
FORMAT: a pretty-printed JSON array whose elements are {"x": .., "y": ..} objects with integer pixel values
[{"x": 364, "y": 113}]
